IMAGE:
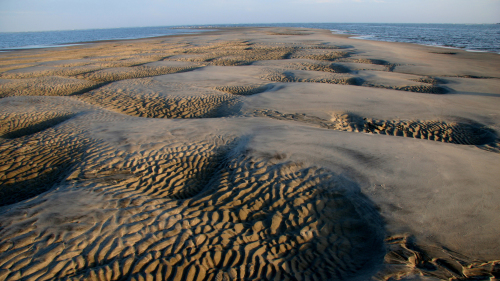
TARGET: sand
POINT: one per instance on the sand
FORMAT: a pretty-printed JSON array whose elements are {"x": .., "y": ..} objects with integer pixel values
[{"x": 249, "y": 154}]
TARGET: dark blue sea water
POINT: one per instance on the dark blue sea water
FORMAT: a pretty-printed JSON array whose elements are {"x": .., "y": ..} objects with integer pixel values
[{"x": 470, "y": 37}]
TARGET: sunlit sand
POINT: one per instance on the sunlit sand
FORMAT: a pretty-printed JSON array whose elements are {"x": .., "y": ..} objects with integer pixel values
[{"x": 249, "y": 154}]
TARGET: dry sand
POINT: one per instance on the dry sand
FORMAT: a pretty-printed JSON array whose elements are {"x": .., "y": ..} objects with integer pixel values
[{"x": 249, "y": 154}]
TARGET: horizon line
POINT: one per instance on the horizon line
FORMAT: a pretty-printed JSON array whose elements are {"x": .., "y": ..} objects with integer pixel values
[{"x": 222, "y": 24}]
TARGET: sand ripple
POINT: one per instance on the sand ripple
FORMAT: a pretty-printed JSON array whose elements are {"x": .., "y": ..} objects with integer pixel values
[
  {"x": 470, "y": 133},
  {"x": 89, "y": 194},
  {"x": 43, "y": 86},
  {"x": 242, "y": 217},
  {"x": 154, "y": 106},
  {"x": 32, "y": 161}
]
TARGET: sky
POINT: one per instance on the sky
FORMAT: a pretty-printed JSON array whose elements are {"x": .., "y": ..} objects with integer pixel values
[{"x": 42, "y": 15}]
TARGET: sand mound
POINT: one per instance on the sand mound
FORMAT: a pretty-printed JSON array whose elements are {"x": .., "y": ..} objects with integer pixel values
[
  {"x": 244, "y": 53},
  {"x": 428, "y": 89},
  {"x": 159, "y": 106},
  {"x": 253, "y": 218},
  {"x": 178, "y": 172},
  {"x": 18, "y": 125},
  {"x": 277, "y": 76},
  {"x": 319, "y": 54},
  {"x": 325, "y": 67},
  {"x": 44, "y": 71},
  {"x": 44, "y": 86},
  {"x": 422, "y": 89},
  {"x": 77, "y": 68},
  {"x": 370, "y": 61},
  {"x": 243, "y": 90},
  {"x": 430, "y": 80},
  {"x": 116, "y": 74},
  {"x": 388, "y": 66},
  {"x": 138, "y": 65},
  {"x": 450, "y": 132},
  {"x": 234, "y": 53},
  {"x": 30, "y": 165},
  {"x": 6, "y": 66},
  {"x": 401, "y": 82},
  {"x": 305, "y": 65},
  {"x": 231, "y": 61},
  {"x": 296, "y": 76}
]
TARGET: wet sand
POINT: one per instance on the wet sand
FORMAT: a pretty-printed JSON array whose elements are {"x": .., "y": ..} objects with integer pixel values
[{"x": 246, "y": 154}]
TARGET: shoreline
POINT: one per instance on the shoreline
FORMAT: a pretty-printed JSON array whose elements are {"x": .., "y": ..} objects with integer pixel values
[
  {"x": 353, "y": 35},
  {"x": 20, "y": 48},
  {"x": 267, "y": 153},
  {"x": 359, "y": 37}
]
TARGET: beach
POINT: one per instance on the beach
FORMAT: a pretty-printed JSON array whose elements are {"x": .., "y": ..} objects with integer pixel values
[{"x": 249, "y": 154}]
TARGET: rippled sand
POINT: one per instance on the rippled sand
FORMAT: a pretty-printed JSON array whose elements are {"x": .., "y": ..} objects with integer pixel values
[{"x": 249, "y": 154}]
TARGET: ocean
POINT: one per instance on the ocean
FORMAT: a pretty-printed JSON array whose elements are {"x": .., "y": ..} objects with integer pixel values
[
  {"x": 47, "y": 39},
  {"x": 469, "y": 37}
]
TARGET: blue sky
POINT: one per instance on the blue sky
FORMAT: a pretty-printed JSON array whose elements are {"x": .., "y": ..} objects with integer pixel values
[{"x": 38, "y": 15}]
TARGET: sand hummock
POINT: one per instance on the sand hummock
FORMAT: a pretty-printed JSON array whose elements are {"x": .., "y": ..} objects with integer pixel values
[{"x": 249, "y": 154}]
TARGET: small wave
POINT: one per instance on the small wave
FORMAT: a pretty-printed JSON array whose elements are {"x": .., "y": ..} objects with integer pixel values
[
  {"x": 337, "y": 31},
  {"x": 37, "y": 47},
  {"x": 477, "y": 51},
  {"x": 364, "y": 37}
]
